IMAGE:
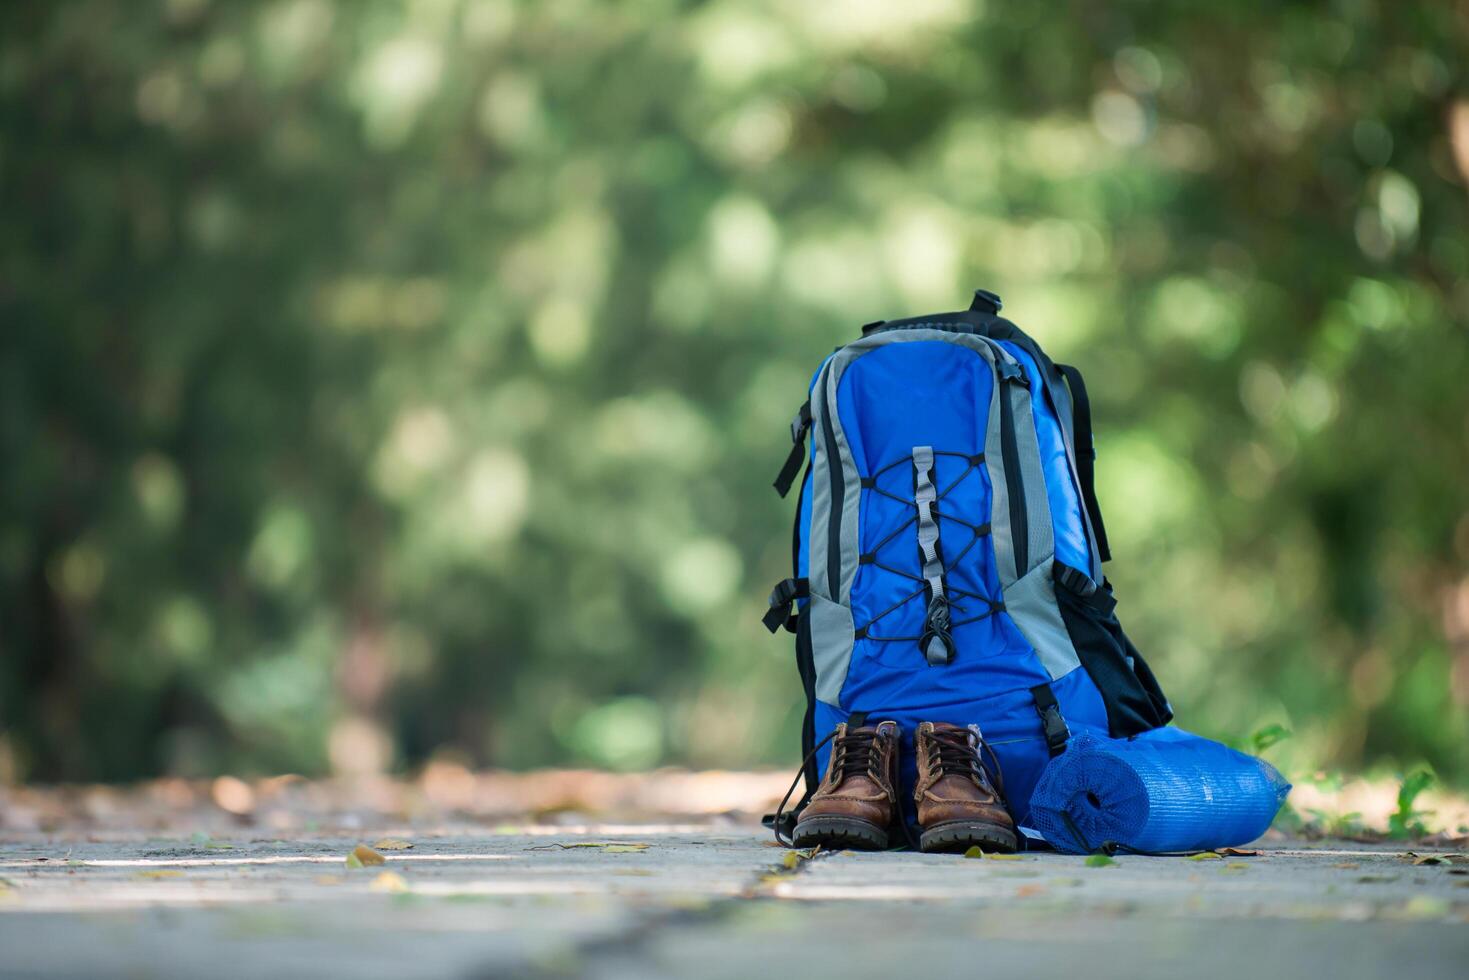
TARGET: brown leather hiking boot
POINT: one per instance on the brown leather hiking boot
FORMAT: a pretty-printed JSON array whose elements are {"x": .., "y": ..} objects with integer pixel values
[
  {"x": 958, "y": 806},
  {"x": 856, "y": 802}
]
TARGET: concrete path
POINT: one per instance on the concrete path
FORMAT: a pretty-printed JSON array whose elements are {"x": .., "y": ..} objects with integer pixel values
[{"x": 713, "y": 899}]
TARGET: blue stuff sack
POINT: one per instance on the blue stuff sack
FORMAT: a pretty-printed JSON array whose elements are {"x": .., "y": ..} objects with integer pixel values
[{"x": 1163, "y": 791}]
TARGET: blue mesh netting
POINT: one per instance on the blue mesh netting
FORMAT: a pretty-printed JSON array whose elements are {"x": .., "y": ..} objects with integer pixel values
[{"x": 1163, "y": 791}]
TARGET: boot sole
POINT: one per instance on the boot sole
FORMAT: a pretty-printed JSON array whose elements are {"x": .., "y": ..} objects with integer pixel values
[
  {"x": 840, "y": 832},
  {"x": 960, "y": 835}
]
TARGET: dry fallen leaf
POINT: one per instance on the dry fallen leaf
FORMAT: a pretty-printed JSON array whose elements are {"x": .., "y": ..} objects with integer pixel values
[
  {"x": 1240, "y": 852},
  {"x": 363, "y": 856},
  {"x": 163, "y": 873},
  {"x": 1029, "y": 891},
  {"x": 624, "y": 848},
  {"x": 1422, "y": 859},
  {"x": 389, "y": 881},
  {"x": 392, "y": 844},
  {"x": 1347, "y": 865}
]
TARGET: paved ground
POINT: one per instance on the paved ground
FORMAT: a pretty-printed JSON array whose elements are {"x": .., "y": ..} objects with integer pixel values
[{"x": 708, "y": 899}]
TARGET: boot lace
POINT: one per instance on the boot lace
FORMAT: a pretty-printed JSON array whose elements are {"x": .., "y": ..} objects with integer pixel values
[
  {"x": 952, "y": 755},
  {"x": 858, "y": 753}
]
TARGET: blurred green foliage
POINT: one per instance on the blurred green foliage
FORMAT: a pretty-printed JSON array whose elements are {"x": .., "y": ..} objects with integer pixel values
[{"x": 382, "y": 377}]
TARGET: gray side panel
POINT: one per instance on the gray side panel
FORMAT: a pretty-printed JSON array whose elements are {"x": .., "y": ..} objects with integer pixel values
[
  {"x": 1031, "y": 603},
  {"x": 851, "y": 482},
  {"x": 1040, "y": 534},
  {"x": 831, "y": 646},
  {"x": 994, "y": 462},
  {"x": 821, "y": 502}
]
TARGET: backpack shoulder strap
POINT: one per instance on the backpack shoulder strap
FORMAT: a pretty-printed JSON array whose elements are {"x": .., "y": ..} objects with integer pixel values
[{"x": 1086, "y": 454}]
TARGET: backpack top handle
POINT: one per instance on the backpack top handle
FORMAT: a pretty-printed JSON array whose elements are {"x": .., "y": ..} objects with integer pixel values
[{"x": 981, "y": 318}]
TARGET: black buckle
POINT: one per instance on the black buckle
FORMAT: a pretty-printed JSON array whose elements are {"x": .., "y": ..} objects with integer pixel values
[
  {"x": 1055, "y": 729},
  {"x": 1012, "y": 372},
  {"x": 1073, "y": 579},
  {"x": 787, "y": 823},
  {"x": 801, "y": 422},
  {"x": 799, "y": 425},
  {"x": 781, "y": 597},
  {"x": 936, "y": 643},
  {"x": 938, "y": 613},
  {"x": 1052, "y": 724}
]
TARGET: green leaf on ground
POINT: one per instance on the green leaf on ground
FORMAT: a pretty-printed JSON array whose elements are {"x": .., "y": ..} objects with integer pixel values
[
  {"x": 203, "y": 840},
  {"x": 1204, "y": 856},
  {"x": 790, "y": 860},
  {"x": 1099, "y": 861}
]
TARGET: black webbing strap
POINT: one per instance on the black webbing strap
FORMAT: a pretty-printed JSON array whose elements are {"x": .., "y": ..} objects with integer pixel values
[
  {"x": 1051, "y": 721},
  {"x": 782, "y": 597},
  {"x": 1086, "y": 454},
  {"x": 793, "y": 462}
]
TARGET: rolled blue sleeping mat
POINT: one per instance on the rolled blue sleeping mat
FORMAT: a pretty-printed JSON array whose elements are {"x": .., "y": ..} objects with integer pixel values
[{"x": 1164, "y": 791}]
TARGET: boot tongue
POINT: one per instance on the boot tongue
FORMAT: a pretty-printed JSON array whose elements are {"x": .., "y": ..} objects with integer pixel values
[{"x": 970, "y": 734}]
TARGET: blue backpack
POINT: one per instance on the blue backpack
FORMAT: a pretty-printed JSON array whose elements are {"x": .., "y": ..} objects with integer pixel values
[{"x": 948, "y": 549}]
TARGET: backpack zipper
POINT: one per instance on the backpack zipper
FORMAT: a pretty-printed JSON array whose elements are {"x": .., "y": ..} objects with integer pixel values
[
  {"x": 838, "y": 491},
  {"x": 1010, "y": 372}
]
